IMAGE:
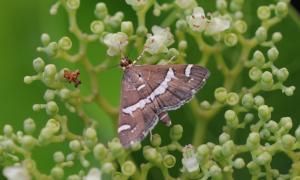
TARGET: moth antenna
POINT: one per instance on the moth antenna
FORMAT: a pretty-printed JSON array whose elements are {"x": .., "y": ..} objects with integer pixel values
[{"x": 140, "y": 56}]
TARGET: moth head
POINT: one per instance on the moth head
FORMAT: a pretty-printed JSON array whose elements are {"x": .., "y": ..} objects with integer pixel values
[{"x": 125, "y": 62}]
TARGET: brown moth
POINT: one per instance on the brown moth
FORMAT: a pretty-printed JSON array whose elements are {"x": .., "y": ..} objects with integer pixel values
[{"x": 149, "y": 91}]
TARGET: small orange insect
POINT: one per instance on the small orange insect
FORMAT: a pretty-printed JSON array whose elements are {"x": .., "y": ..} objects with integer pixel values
[{"x": 72, "y": 77}]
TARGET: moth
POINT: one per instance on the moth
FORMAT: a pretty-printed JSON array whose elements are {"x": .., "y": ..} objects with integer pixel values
[{"x": 149, "y": 91}]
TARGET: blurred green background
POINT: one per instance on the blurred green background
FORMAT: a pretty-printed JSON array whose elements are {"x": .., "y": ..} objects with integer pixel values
[{"x": 23, "y": 21}]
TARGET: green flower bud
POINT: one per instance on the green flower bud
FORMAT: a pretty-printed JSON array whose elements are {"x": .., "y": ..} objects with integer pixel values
[
  {"x": 238, "y": 163},
  {"x": 181, "y": 25},
  {"x": 288, "y": 141},
  {"x": 221, "y": 94},
  {"x": 267, "y": 80},
  {"x": 203, "y": 150},
  {"x": 286, "y": 123},
  {"x": 264, "y": 112},
  {"x": 273, "y": 53},
  {"x": 29, "y": 126},
  {"x": 253, "y": 140},
  {"x": 127, "y": 27},
  {"x": 248, "y": 117},
  {"x": 217, "y": 153},
  {"x": 28, "y": 142},
  {"x": 182, "y": 45},
  {"x": 231, "y": 119},
  {"x": 259, "y": 58},
  {"x": 57, "y": 172},
  {"x": 38, "y": 65},
  {"x": 264, "y": 158},
  {"x": 169, "y": 161},
  {"x": 50, "y": 71},
  {"x": 115, "y": 21},
  {"x": 224, "y": 137},
  {"x": 90, "y": 133},
  {"x": 45, "y": 38},
  {"x": 136, "y": 146},
  {"x": 75, "y": 145},
  {"x": 221, "y": 4},
  {"x": 53, "y": 125},
  {"x": 230, "y": 39},
  {"x": 281, "y": 9},
  {"x": 261, "y": 34},
  {"x": 97, "y": 27},
  {"x": 228, "y": 148},
  {"x": 52, "y": 108},
  {"x": 156, "y": 140},
  {"x": 108, "y": 168},
  {"x": 117, "y": 176},
  {"x": 173, "y": 52},
  {"x": 282, "y": 74},
  {"x": 28, "y": 79},
  {"x": 272, "y": 126},
  {"x": 59, "y": 157},
  {"x": 276, "y": 37},
  {"x": 8, "y": 130},
  {"x": 248, "y": 100},
  {"x": 239, "y": 15},
  {"x": 128, "y": 168},
  {"x": 253, "y": 168},
  {"x": 297, "y": 133},
  {"x": 73, "y": 177},
  {"x": 49, "y": 95},
  {"x": 265, "y": 134},
  {"x": 240, "y": 26},
  {"x": 156, "y": 12},
  {"x": 289, "y": 91},
  {"x": 255, "y": 74},
  {"x": 232, "y": 99},
  {"x": 100, "y": 152},
  {"x": 216, "y": 172},
  {"x": 141, "y": 31},
  {"x": 150, "y": 154},
  {"x": 65, "y": 93},
  {"x": 235, "y": 6},
  {"x": 176, "y": 132},
  {"x": 205, "y": 105},
  {"x": 101, "y": 10},
  {"x": 263, "y": 12},
  {"x": 51, "y": 49},
  {"x": 259, "y": 100},
  {"x": 36, "y": 107},
  {"x": 116, "y": 147},
  {"x": 73, "y": 4},
  {"x": 65, "y": 43}
]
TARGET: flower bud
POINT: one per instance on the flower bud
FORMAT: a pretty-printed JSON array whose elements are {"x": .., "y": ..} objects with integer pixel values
[
  {"x": 28, "y": 79},
  {"x": 59, "y": 157},
  {"x": 65, "y": 93},
  {"x": 288, "y": 141},
  {"x": 156, "y": 140},
  {"x": 182, "y": 45},
  {"x": 100, "y": 152},
  {"x": 114, "y": 22},
  {"x": 90, "y": 133},
  {"x": 264, "y": 158},
  {"x": 240, "y": 26},
  {"x": 263, "y": 12},
  {"x": 65, "y": 43},
  {"x": 297, "y": 133},
  {"x": 137, "y": 4},
  {"x": 265, "y": 134},
  {"x": 281, "y": 9},
  {"x": 176, "y": 132},
  {"x": 253, "y": 168},
  {"x": 273, "y": 54},
  {"x": 97, "y": 27},
  {"x": 8, "y": 130},
  {"x": 51, "y": 49},
  {"x": 127, "y": 27},
  {"x": 142, "y": 31},
  {"x": 228, "y": 148},
  {"x": 36, "y": 107},
  {"x": 38, "y": 65},
  {"x": 230, "y": 39},
  {"x": 101, "y": 10},
  {"x": 224, "y": 137},
  {"x": 57, "y": 172},
  {"x": 108, "y": 168},
  {"x": 248, "y": 117},
  {"x": 231, "y": 119},
  {"x": 276, "y": 37},
  {"x": 221, "y": 5},
  {"x": 216, "y": 172},
  {"x": 45, "y": 38},
  {"x": 217, "y": 153},
  {"x": 239, "y": 163},
  {"x": 264, "y": 112},
  {"x": 136, "y": 146},
  {"x": 116, "y": 147},
  {"x": 203, "y": 150},
  {"x": 286, "y": 123},
  {"x": 259, "y": 100},
  {"x": 53, "y": 126},
  {"x": 169, "y": 161},
  {"x": 261, "y": 34},
  {"x": 73, "y": 4},
  {"x": 49, "y": 95},
  {"x": 289, "y": 91},
  {"x": 258, "y": 58},
  {"x": 128, "y": 168},
  {"x": 181, "y": 25},
  {"x": 73, "y": 177},
  {"x": 205, "y": 105},
  {"x": 221, "y": 94},
  {"x": 253, "y": 140},
  {"x": 28, "y": 142},
  {"x": 150, "y": 154},
  {"x": 282, "y": 74},
  {"x": 232, "y": 99},
  {"x": 75, "y": 145},
  {"x": 50, "y": 71},
  {"x": 255, "y": 74},
  {"x": 29, "y": 126},
  {"x": 248, "y": 100},
  {"x": 272, "y": 126},
  {"x": 189, "y": 160},
  {"x": 52, "y": 108}
]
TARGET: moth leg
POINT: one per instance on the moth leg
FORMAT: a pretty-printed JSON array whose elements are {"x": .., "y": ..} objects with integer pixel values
[{"x": 165, "y": 118}]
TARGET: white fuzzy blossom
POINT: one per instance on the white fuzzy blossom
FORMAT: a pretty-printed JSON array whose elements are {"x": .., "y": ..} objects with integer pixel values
[
  {"x": 197, "y": 21},
  {"x": 217, "y": 25},
  {"x": 94, "y": 174},
  {"x": 159, "y": 41},
  {"x": 116, "y": 42},
  {"x": 16, "y": 172},
  {"x": 189, "y": 160},
  {"x": 186, "y": 4}
]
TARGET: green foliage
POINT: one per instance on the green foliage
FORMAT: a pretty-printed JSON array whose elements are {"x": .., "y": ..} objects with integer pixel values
[{"x": 227, "y": 47}]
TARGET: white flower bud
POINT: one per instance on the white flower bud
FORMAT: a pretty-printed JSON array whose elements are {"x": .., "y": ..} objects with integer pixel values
[
  {"x": 197, "y": 21},
  {"x": 116, "y": 42},
  {"x": 217, "y": 25}
]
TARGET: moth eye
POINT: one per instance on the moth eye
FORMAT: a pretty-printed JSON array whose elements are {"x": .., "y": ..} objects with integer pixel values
[{"x": 140, "y": 75}]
